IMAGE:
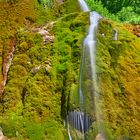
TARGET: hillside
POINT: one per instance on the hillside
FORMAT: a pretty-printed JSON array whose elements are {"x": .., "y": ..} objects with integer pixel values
[
  {"x": 118, "y": 69},
  {"x": 41, "y": 50}
]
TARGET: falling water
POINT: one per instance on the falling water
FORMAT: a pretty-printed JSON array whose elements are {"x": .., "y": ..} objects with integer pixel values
[
  {"x": 88, "y": 79},
  {"x": 79, "y": 120},
  {"x": 68, "y": 129},
  {"x": 83, "y": 6},
  {"x": 87, "y": 84},
  {"x": 89, "y": 47}
]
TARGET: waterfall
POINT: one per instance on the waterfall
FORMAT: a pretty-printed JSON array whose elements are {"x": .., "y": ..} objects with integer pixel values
[
  {"x": 68, "y": 129},
  {"x": 88, "y": 70},
  {"x": 79, "y": 120},
  {"x": 87, "y": 83},
  {"x": 83, "y": 6}
]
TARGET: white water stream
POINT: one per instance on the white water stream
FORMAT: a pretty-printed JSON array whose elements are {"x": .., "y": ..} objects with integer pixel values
[
  {"x": 87, "y": 68},
  {"x": 83, "y": 6}
]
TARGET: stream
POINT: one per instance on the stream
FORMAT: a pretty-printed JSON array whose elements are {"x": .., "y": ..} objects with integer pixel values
[{"x": 80, "y": 120}]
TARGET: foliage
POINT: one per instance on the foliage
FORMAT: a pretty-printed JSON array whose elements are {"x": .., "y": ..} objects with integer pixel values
[
  {"x": 115, "y": 6},
  {"x": 128, "y": 15},
  {"x": 123, "y": 11},
  {"x": 20, "y": 129}
]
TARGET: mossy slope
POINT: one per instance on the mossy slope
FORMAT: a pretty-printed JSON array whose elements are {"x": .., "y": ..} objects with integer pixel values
[
  {"x": 118, "y": 70},
  {"x": 43, "y": 79},
  {"x": 35, "y": 98}
]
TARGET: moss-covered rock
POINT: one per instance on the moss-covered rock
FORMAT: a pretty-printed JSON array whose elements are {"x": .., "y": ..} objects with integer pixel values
[
  {"x": 118, "y": 72},
  {"x": 42, "y": 82},
  {"x": 42, "y": 79}
]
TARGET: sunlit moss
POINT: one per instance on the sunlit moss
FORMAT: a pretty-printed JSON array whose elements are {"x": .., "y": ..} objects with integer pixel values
[{"x": 118, "y": 74}]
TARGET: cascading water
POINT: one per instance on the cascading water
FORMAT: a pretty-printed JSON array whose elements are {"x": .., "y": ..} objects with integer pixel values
[
  {"x": 87, "y": 84},
  {"x": 83, "y": 6}
]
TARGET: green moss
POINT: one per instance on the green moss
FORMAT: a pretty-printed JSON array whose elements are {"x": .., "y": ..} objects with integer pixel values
[
  {"x": 68, "y": 52},
  {"x": 69, "y": 6},
  {"x": 36, "y": 99},
  {"x": 118, "y": 72}
]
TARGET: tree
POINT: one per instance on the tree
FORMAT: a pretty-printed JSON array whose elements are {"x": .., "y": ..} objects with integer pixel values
[{"x": 115, "y": 6}]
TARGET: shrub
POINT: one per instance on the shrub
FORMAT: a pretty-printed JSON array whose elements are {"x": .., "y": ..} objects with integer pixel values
[{"x": 128, "y": 13}]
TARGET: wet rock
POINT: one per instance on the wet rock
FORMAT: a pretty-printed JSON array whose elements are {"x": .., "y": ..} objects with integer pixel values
[{"x": 79, "y": 120}]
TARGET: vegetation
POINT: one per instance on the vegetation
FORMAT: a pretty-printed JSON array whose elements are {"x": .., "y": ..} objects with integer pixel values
[
  {"x": 122, "y": 11},
  {"x": 115, "y": 6},
  {"x": 42, "y": 82},
  {"x": 36, "y": 96},
  {"x": 118, "y": 82}
]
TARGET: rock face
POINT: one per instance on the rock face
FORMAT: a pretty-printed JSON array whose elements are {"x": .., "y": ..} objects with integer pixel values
[{"x": 123, "y": 63}]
